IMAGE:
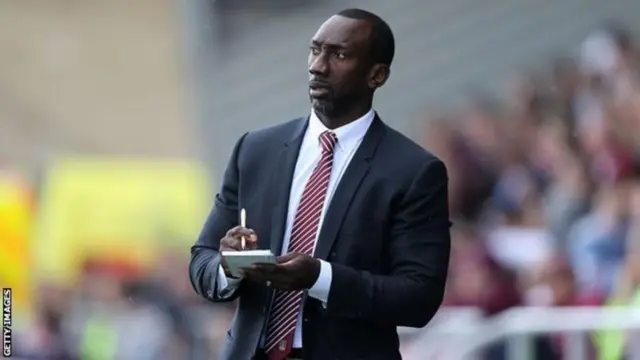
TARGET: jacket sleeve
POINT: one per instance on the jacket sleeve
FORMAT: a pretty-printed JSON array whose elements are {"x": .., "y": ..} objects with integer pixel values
[
  {"x": 419, "y": 251},
  {"x": 205, "y": 257}
]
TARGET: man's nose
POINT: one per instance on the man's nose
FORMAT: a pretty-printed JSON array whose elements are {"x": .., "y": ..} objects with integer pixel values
[{"x": 318, "y": 65}]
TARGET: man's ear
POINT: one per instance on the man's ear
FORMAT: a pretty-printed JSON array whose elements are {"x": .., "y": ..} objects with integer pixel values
[{"x": 378, "y": 75}]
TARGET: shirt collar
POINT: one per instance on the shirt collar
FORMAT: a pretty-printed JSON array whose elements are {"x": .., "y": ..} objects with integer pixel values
[{"x": 348, "y": 134}]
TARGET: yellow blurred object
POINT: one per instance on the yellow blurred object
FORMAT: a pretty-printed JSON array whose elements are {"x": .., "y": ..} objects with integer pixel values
[
  {"x": 95, "y": 207},
  {"x": 15, "y": 225}
]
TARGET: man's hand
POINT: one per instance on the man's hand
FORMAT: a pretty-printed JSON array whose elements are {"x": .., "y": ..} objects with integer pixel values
[
  {"x": 232, "y": 241},
  {"x": 293, "y": 271}
]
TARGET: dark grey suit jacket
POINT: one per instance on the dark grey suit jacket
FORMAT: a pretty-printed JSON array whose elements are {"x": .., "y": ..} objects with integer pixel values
[{"x": 386, "y": 235}]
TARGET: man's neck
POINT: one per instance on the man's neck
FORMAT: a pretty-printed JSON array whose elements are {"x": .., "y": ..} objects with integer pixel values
[{"x": 334, "y": 122}]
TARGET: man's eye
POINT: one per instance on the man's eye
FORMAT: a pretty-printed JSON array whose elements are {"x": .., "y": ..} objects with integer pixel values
[
  {"x": 340, "y": 56},
  {"x": 315, "y": 50}
]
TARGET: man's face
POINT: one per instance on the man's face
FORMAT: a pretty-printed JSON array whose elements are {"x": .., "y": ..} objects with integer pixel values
[{"x": 339, "y": 64}]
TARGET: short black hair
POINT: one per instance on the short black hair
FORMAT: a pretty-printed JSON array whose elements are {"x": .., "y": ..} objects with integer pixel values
[{"x": 383, "y": 44}]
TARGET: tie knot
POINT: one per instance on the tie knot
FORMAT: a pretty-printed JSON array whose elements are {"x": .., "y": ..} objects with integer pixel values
[{"x": 328, "y": 140}]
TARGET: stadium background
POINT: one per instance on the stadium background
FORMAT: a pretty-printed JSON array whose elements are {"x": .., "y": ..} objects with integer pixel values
[{"x": 117, "y": 117}]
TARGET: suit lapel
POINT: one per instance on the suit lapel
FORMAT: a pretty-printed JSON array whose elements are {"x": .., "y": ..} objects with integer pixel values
[
  {"x": 347, "y": 188},
  {"x": 281, "y": 180}
]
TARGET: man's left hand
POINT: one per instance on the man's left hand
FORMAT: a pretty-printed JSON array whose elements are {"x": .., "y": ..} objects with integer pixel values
[{"x": 293, "y": 271}]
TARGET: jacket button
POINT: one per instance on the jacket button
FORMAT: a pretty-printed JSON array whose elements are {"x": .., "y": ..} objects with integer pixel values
[
  {"x": 333, "y": 254},
  {"x": 305, "y": 320}
]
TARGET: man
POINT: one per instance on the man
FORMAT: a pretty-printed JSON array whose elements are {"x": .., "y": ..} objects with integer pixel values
[{"x": 358, "y": 211}]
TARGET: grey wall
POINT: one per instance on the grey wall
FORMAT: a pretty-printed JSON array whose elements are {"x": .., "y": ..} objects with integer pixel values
[{"x": 443, "y": 48}]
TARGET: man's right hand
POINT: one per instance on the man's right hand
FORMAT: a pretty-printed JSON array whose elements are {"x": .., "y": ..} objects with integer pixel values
[{"x": 232, "y": 241}]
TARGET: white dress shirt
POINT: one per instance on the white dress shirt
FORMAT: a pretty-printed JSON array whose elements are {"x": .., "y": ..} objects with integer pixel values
[{"x": 349, "y": 138}]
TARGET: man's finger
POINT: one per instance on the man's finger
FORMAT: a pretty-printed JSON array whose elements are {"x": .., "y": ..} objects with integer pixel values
[
  {"x": 288, "y": 266},
  {"x": 251, "y": 241},
  {"x": 232, "y": 231},
  {"x": 230, "y": 244},
  {"x": 287, "y": 257},
  {"x": 252, "y": 275},
  {"x": 240, "y": 231},
  {"x": 264, "y": 267}
]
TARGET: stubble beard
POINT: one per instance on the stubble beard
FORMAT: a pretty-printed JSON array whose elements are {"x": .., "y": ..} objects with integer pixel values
[{"x": 325, "y": 107}]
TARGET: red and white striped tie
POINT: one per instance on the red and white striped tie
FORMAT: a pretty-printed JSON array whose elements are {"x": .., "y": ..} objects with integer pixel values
[{"x": 286, "y": 304}]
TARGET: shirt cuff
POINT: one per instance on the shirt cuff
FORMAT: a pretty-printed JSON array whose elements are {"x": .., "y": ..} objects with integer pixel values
[
  {"x": 226, "y": 285},
  {"x": 320, "y": 290}
]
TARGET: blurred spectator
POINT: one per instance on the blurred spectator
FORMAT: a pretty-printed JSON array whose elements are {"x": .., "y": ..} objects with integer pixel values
[
  {"x": 45, "y": 338},
  {"x": 598, "y": 241},
  {"x": 547, "y": 190},
  {"x": 477, "y": 280}
]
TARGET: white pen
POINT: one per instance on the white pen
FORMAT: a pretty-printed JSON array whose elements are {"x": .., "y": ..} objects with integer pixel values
[{"x": 243, "y": 223}]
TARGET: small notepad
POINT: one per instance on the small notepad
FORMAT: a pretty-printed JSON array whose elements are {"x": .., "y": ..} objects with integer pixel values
[{"x": 239, "y": 259}]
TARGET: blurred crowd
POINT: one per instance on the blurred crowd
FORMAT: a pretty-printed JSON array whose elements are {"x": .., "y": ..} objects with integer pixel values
[
  {"x": 545, "y": 186},
  {"x": 545, "y": 200},
  {"x": 118, "y": 310}
]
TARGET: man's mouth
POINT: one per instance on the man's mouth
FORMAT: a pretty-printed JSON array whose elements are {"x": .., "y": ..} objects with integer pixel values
[
  {"x": 318, "y": 89},
  {"x": 318, "y": 92}
]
